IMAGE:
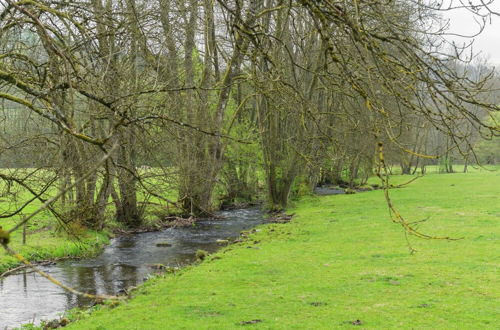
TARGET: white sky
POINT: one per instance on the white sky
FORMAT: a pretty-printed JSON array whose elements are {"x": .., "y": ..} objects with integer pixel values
[{"x": 488, "y": 42}]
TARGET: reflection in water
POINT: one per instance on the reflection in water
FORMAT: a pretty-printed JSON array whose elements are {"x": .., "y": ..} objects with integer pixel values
[
  {"x": 328, "y": 190},
  {"x": 126, "y": 262}
]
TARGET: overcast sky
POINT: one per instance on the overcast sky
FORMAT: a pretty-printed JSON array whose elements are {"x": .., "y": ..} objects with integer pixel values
[{"x": 488, "y": 42}]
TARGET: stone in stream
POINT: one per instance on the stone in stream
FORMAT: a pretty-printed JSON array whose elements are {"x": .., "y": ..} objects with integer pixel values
[
  {"x": 222, "y": 241},
  {"x": 201, "y": 254},
  {"x": 163, "y": 244}
]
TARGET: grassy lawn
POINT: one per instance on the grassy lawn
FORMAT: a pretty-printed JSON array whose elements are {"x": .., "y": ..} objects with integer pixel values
[{"x": 339, "y": 261}]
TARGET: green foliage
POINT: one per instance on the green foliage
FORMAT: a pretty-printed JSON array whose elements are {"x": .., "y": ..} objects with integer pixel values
[
  {"x": 201, "y": 254},
  {"x": 241, "y": 175},
  {"x": 30, "y": 326},
  {"x": 341, "y": 260},
  {"x": 488, "y": 150},
  {"x": 300, "y": 188},
  {"x": 444, "y": 164}
]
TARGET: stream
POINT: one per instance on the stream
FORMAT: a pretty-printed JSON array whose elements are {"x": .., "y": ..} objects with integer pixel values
[{"x": 27, "y": 297}]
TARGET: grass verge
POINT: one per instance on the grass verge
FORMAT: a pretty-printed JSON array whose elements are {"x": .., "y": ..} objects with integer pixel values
[
  {"x": 339, "y": 264},
  {"x": 47, "y": 245}
]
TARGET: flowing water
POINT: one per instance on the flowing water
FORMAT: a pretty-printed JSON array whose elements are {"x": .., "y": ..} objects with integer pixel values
[
  {"x": 328, "y": 190},
  {"x": 26, "y": 297}
]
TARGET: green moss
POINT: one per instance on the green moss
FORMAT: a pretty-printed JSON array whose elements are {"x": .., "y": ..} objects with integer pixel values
[{"x": 201, "y": 254}]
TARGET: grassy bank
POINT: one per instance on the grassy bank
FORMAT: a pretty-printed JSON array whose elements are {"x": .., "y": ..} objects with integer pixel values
[
  {"x": 42, "y": 243},
  {"x": 341, "y": 263},
  {"x": 45, "y": 238}
]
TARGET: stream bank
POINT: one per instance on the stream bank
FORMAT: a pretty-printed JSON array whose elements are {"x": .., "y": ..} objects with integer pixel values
[
  {"x": 45, "y": 246},
  {"x": 127, "y": 262}
]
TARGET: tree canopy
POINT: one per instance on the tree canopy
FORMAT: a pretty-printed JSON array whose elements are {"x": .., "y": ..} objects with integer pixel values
[{"x": 210, "y": 101}]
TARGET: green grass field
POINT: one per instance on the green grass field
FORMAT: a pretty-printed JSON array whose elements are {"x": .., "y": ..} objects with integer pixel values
[{"x": 340, "y": 264}]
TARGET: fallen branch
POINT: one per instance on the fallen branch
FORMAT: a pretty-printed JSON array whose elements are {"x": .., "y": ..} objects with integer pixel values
[{"x": 37, "y": 263}]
